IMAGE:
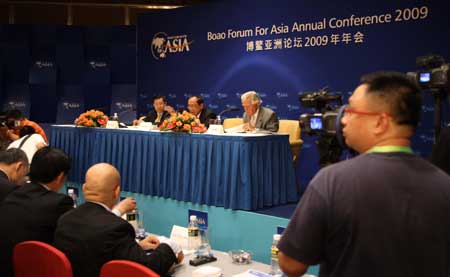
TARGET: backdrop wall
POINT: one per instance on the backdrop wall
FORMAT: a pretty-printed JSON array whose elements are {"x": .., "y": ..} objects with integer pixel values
[
  {"x": 53, "y": 73},
  {"x": 281, "y": 48},
  {"x": 220, "y": 50}
]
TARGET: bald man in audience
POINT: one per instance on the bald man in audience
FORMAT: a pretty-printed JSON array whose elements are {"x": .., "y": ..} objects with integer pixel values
[{"x": 91, "y": 235}]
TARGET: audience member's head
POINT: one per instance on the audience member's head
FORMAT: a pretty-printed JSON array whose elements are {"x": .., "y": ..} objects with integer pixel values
[
  {"x": 159, "y": 103},
  {"x": 26, "y": 130},
  {"x": 14, "y": 114},
  {"x": 13, "y": 118},
  {"x": 384, "y": 107},
  {"x": 14, "y": 163},
  {"x": 196, "y": 104},
  {"x": 102, "y": 184},
  {"x": 250, "y": 102},
  {"x": 50, "y": 167}
]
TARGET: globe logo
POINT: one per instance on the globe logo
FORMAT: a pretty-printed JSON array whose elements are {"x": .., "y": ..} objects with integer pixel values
[{"x": 158, "y": 46}]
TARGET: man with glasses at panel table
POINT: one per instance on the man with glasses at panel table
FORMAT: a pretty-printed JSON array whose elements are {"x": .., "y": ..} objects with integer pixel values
[{"x": 382, "y": 213}]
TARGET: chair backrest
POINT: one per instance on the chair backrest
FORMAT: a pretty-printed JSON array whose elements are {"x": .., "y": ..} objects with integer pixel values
[
  {"x": 291, "y": 127},
  {"x": 39, "y": 259},
  {"x": 232, "y": 122},
  {"x": 120, "y": 268}
]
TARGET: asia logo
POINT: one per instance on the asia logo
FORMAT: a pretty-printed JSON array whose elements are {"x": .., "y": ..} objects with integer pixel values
[
  {"x": 272, "y": 107},
  {"x": 71, "y": 105},
  {"x": 222, "y": 95},
  {"x": 124, "y": 105},
  {"x": 41, "y": 64},
  {"x": 293, "y": 108},
  {"x": 180, "y": 106},
  {"x": 282, "y": 94},
  {"x": 162, "y": 45},
  {"x": 95, "y": 64},
  {"x": 16, "y": 104}
]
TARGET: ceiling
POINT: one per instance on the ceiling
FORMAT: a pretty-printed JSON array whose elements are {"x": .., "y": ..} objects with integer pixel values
[{"x": 83, "y": 12}]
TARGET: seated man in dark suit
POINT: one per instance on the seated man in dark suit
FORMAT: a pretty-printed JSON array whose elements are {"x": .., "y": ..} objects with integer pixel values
[
  {"x": 13, "y": 168},
  {"x": 90, "y": 235},
  {"x": 196, "y": 106},
  {"x": 30, "y": 212},
  {"x": 160, "y": 112},
  {"x": 256, "y": 116}
]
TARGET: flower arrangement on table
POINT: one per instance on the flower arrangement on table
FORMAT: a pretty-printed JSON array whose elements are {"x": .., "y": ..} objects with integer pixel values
[
  {"x": 184, "y": 122},
  {"x": 92, "y": 118}
]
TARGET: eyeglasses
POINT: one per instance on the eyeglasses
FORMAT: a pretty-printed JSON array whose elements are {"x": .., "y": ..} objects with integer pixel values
[{"x": 350, "y": 111}]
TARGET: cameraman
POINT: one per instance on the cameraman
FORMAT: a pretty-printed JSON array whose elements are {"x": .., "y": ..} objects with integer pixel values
[
  {"x": 441, "y": 150},
  {"x": 382, "y": 213},
  {"x": 14, "y": 122}
]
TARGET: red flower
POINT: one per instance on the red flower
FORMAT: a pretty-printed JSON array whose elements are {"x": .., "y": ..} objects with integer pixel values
[{"x": 101, "y": 121}]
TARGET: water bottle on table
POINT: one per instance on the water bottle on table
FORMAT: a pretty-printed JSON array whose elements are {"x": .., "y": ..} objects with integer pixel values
[
  {"x": 274, "y": 266},
  {"x": 193, "y": 234}
]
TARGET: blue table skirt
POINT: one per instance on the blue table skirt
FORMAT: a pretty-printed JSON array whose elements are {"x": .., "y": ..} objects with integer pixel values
[{"x": 233, "y": 172}]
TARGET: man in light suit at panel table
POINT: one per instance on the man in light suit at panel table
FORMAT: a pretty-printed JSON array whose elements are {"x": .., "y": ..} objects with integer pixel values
[{"x": 256, "y": 116}]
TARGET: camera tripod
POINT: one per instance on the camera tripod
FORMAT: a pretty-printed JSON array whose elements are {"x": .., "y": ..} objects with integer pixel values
[{"x": 329, "y": 149}]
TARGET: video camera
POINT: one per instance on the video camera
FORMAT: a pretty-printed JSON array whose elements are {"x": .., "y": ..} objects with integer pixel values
[
  {"x": 433, "y": 73},
  {"x": 323, "y": 122}
]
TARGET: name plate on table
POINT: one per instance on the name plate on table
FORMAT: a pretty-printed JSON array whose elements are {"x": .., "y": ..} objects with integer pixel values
[
  {"x": 112, "y": 124},
  {"x": 215, "y": 129},
  {"x": 146, "y": 126}
]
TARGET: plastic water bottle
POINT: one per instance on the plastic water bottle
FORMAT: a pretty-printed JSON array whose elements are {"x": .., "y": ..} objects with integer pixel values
[
  {"x": 193, "y": 234},
  {"x": 132, "y": 219},
  {"x": 115, "y": 117},
  {"x": 204, "y": 248},
  {"x": 274, "y": 266}
]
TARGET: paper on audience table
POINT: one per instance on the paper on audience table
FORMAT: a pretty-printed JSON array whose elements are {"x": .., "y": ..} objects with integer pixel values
[
  {"x": 179, "y": 235},
  {"x": 176, "y": 248}
]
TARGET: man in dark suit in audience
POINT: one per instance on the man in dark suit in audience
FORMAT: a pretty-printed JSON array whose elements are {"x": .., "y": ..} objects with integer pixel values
[
  {"x": 196, "y": 106},
  {"x": 91, "y": 235},
  {"x": 30, "y": 212},
  {"x": 13, "y": 168},
  {"x": 160, "y": 112}
]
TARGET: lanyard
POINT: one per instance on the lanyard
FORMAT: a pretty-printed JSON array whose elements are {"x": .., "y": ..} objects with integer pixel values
[{"x": 390, "y": 148}]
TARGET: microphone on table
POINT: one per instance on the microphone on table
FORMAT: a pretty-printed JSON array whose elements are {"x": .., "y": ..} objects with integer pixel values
[
  {"x": 119, "y": 114},
  {"x": 229, "y": 109}
]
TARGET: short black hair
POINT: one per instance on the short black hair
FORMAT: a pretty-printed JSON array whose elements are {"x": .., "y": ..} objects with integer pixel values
[
  {"x": 402, "y": 95},
  {"x": 47, "y": 164},
  {"x": 156, "y": 97},
  {"x": 199, "y": 99},
  {"x": 13, "y": 155},
  {"x": 14, "y": 114},
  {"x": 26, "y": 130}
]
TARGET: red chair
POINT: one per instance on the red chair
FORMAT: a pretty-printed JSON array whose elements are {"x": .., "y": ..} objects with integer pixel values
[
  {"x": 120, "y": 268},
  {"x": 38, "y": 259}
]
